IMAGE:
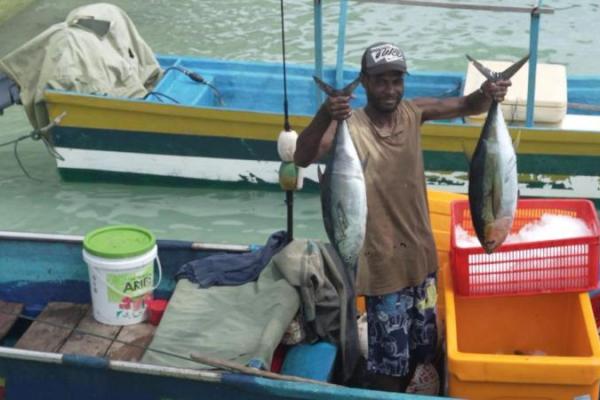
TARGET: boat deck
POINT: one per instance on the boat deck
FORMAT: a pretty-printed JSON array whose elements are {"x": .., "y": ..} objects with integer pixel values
[{"x": 70, "y": 328}]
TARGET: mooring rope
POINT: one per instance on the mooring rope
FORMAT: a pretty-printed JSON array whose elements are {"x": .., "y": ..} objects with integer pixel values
[{"x": 37, "y": 134}]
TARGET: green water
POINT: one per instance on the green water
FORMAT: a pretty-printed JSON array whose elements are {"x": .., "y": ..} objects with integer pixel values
[{"x": 249, "y": 29}]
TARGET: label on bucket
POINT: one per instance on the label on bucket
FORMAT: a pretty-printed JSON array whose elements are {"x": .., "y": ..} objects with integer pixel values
[{"x": 132, "y": 292}]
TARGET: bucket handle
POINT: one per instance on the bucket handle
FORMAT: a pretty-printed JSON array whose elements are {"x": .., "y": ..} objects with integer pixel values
[{"x": 117, "y": 291}]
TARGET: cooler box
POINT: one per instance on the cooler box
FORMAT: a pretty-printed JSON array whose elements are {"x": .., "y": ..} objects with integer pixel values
[
  {"x": 541, "y": 346},
  {"x": 550, "y": 91}
]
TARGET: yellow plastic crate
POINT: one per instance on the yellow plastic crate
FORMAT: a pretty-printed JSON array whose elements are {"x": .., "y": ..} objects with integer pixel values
[
  {"x": 439, "y": 214},
  {"x": 522, "y": 347}
]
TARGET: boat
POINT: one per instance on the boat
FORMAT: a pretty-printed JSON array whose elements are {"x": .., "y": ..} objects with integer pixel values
[
  {"x": 45, "y": 278},
  {"x": 224, "y": 128},
  {"x": 47, "y": 273},
  {"x": 48, "y": 270}
]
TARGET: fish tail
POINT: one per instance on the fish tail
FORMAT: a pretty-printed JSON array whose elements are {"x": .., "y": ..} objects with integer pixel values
[
  {"x": 328, "y": 89},
  {"x": 331, "y": 91},
  {"x": 510, "y": 71},
  {"x": 506, "y": 74}
]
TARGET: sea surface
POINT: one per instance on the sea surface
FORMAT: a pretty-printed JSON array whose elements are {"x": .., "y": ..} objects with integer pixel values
[{"x": 433, "y": 39}]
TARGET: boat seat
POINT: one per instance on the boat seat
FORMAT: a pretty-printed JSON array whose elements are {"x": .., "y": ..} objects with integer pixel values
[{"x": 550, "y": 92}]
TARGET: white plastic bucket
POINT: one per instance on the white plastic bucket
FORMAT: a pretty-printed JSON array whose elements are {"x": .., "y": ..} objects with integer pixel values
[{"x": 122, "y": 288}]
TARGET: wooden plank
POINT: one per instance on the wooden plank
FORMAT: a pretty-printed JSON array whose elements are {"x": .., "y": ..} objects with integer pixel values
[
  {"x": 90, "y": 345},
  {"x": 60, "y": 319},
  {"x": 9, "y": 313},
  {"x": 139, "y": 335}
]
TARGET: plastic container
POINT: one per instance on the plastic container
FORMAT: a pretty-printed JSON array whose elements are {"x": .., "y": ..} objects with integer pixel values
[
  {"x": 550, "y": 91},
  {"x": 120, "y": 262},
  {"x": 157, "y": 308},
  {"x": 541, "y": 346},
  {"x": 563, "y": 265}
]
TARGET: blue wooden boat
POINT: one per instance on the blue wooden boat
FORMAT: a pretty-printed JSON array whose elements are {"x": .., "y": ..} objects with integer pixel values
[
  {"x": 39, "y": 270},
  {"x": 186, "y": 131}
]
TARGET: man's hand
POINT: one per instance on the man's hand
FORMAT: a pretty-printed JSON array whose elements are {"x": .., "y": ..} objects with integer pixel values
[
  {"x": 339, "y": 107},
  {"x": 496, "y": 90}
]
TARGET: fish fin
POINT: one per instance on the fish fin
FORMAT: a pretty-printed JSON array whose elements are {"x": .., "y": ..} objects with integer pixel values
[
  {"x": 517, "y": 141},
  {"x": 488, "y": 73},
  {"x": 328, "y": 89},
  {"x": 468, "y": 154},
  {"x": 510, "y": 71},
  {"x": 319, "y": 174},
  {"x": 348, "y": 89}
]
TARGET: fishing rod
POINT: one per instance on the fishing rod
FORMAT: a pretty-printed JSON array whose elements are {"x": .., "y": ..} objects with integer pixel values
[{"x": 289, "y": 193}]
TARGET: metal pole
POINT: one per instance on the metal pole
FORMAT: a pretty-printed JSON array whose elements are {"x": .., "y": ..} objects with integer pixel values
[
  {"x": 461, "y": 6},
  {"x": 339, "y": 66},
  {"x": 318, "y": 26},
  {"x": 534, "y": 31},
  {"x": 289, "y": 200}
]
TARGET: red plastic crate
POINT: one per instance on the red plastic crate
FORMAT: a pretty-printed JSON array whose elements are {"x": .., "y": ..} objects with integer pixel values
[{"x": 563, "y": 265}]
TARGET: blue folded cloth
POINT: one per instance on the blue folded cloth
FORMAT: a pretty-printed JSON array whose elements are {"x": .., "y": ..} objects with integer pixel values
[{"x": 232, "y": 269}]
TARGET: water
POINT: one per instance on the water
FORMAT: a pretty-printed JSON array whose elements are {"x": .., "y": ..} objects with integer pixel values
[{"x": 433, "y": 39}]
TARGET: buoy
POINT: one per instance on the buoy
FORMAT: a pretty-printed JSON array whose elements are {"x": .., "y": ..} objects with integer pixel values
[
  {"x": 288, "y": 176},
  {"x": 286, "y": 145}
]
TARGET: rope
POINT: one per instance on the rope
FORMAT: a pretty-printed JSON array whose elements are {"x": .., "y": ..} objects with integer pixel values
[
  {"x": 465, "y": 6},
  {"x": 37, "y": 134},
  {"x": 196, "y": 77}
]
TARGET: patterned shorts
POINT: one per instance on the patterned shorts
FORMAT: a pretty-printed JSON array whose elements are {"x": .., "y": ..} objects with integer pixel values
[{"x": 402, "y": 328}]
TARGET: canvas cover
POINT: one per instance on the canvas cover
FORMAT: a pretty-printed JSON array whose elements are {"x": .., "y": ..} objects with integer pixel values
[
  {"x": 97, "y": 50},
  {"x": 246, "y": 323}
]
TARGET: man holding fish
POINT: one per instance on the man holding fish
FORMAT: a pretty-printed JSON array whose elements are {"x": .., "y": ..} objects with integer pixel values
[{"x": 397, "y": 264}]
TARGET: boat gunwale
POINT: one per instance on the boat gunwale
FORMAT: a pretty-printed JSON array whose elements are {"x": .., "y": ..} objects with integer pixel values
[{"x": 162, "y": 243}]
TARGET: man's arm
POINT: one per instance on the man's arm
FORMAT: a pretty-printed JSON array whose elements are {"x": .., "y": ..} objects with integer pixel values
[
  {"x": 316, "y": 139},
  {"x": 474, "y": 103}
]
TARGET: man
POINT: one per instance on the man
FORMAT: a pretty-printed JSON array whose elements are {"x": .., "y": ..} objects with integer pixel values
[{"x": 398, "y": 263}]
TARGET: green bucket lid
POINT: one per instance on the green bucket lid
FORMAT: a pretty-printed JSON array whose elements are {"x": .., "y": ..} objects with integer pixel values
[{"x": 119, "y": 241}]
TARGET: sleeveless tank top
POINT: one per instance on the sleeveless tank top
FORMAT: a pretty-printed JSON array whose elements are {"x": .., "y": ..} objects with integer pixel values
[{"x": 399, "y": 249}]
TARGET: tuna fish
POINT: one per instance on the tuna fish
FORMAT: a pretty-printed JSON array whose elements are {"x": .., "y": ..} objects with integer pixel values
[
  {"x": 343, "y": 191},
  {"x": 493, "y": 190}
]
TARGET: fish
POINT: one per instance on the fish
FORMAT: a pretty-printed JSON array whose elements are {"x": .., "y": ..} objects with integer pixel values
[
  {"x": 343, "y": 190},
  {"x": 493, "y": 183}
]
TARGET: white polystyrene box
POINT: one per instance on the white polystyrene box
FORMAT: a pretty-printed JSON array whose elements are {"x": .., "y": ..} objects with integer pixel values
[{"x": 550, "y": 91}]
